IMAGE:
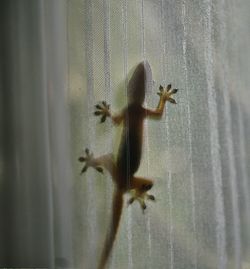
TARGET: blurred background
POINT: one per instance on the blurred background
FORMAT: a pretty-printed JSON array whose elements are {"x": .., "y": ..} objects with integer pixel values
[{"x": 58, "y": 59}]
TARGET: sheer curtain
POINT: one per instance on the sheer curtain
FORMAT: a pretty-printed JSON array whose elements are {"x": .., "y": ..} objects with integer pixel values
[
  {"x": 59, "y": 58},
  {"x": 36, "y": 181}
]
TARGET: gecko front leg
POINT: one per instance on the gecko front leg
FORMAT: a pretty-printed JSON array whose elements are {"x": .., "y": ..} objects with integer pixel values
[
  {"x": 103, "y": 110},
  {"x": 165, "y": 95}
]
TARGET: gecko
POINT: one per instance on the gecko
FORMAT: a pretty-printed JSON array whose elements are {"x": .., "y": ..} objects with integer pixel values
[{"x": 123, "y": 168}]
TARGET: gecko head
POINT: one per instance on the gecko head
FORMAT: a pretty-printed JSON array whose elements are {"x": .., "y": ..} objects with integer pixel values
[{"x": 138, "y": 83}]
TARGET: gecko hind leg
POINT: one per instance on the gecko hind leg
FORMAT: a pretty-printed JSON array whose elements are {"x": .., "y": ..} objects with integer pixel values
[
  {"x": 105, "y": 161},
  {"x": 138, "y": 191}
]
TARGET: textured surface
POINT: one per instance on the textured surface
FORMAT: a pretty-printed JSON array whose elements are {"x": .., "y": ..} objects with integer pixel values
[
  {"x": 58, "y": 58},
  {"x": 198, "y": 154}
]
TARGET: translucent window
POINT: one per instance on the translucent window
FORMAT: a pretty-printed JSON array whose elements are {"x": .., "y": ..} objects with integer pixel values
[{"x": 60, "y": 58}]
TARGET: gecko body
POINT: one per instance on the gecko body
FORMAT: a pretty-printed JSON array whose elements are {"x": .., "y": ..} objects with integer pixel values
[{"x": 123, "y": 168}]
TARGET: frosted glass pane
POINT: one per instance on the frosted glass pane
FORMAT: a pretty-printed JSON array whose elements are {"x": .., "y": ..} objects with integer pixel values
[
  {"x": 197, "y": 154},
  {"x": 59, "y": 59}
]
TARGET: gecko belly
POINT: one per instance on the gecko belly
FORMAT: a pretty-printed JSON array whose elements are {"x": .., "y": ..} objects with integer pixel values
[{"x": 129, "y": 155}]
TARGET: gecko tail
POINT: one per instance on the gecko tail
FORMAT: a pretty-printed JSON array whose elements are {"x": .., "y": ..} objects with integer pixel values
[{"x": 117, "y": 205}]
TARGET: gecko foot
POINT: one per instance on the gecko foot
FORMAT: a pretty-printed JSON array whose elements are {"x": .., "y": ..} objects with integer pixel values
[
  {"x": 167, "y": 93},
  {"x": 102, "y": 109},
  {"x": 140, "y": 196},
  {"x": 89, "y": 162}
]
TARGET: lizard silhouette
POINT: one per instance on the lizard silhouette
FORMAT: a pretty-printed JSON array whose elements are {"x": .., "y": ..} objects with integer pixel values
[{"x": 123, "y": 168}]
